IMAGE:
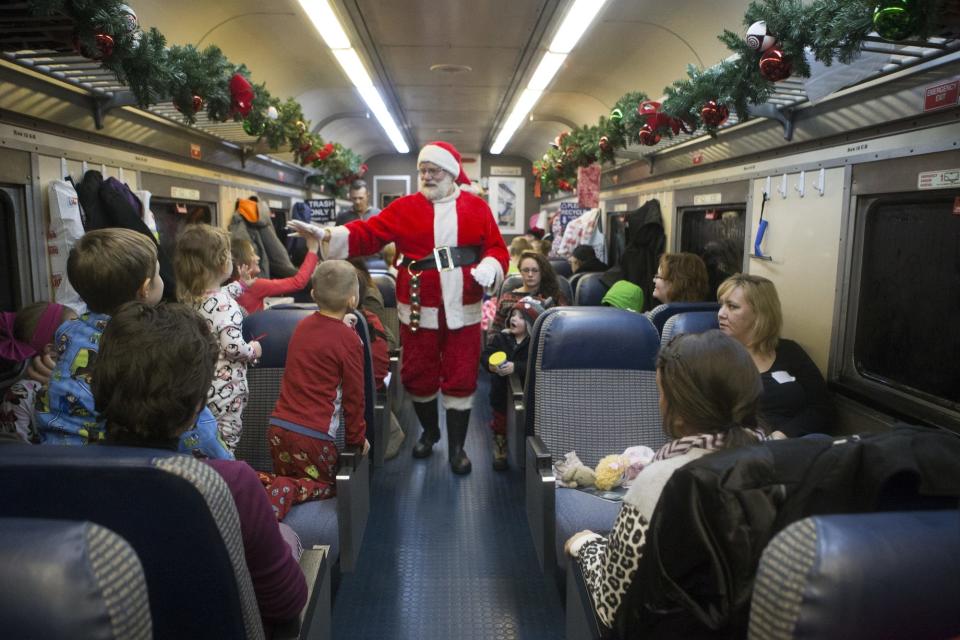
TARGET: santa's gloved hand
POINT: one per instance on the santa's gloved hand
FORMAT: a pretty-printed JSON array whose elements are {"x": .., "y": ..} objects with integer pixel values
[{"x": 485, "y": 274}]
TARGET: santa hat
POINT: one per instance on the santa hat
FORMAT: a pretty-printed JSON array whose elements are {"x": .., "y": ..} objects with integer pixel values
[
  {"x": 445, "y": 156},
  {"x": 530, "y": 309}
]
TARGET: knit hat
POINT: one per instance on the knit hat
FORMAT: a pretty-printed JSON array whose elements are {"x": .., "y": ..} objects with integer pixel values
[
  {"x": 624, "y": 295},
  {"x": 445, "y": 156},
  {"x": 531, "y": 308}
]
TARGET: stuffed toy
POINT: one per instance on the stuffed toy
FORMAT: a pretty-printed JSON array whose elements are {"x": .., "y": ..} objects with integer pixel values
[
  {"x": 610, "y": 471},
  {"x": 579, "y": 476},
  {"x": 637, "y": 459}
]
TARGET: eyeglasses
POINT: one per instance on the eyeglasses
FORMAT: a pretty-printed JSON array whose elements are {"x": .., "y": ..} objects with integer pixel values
[
  {"x": 427, "y": 171},
  {"x": 529, "y": 271}
]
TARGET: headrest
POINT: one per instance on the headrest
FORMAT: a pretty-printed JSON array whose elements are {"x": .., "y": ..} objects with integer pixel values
[
  {"x": 176, "y": 512},
  {"x": 511, "y": 282},
  {"x": 276, "y": 325},
  {"x": 596, "y": 338},
  {"x": 691, "y": 322},
  {"x": 664, "y": 312},
  {"x": 59, "y": 577},
  {"x": 590, "y": 289},
  {"x": 388, "y": 289}
]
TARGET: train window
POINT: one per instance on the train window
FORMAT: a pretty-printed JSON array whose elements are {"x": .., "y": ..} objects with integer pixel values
[
  {"x": 10, "y": 294},
  {"x": 716, "y": 235},
  {"x": 173, "y": 216},
  {"x": 907, "y": 309}
]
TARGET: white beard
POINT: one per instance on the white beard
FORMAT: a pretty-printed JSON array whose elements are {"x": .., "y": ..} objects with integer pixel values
[{"x": 440, "y": 189}]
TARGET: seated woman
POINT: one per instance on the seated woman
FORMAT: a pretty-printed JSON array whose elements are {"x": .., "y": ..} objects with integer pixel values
[
  {"x": 681, "y": 277},
  {"x": 709, "y": 391},
  {"x": 584, "y": 260},
  {"x": 795, "y": 399},
  {"x": 151, "y": 379},
  {"x": 539, "y": 281}
]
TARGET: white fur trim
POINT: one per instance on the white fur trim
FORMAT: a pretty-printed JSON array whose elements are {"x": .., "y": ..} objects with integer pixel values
[
  {"x": 445, "y": 226},
  {"x": 430, "y": 316},
  {"x": 458, "y": 403},
  {"x": 582, "y": 540},
  {"x": 440, "y": 157},
  {"x": 645, "y": 491},
  {"x": 429, "y": 398},
  {"x": 339, "y": 246},
  {"x": 499, "y": 279}
]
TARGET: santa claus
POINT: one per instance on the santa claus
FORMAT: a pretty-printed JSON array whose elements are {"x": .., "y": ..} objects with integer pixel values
[{"x": 452, "y": 250}]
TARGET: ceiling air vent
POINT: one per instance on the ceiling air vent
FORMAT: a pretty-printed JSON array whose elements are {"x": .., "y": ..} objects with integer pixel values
[{"x": 450, "y": 68}]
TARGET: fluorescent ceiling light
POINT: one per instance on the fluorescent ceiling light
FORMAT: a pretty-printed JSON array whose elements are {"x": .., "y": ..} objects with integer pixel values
[
  {"x": 579, "y": 17},
  {"x": 527, "y": 99},
  {"x": 548, "y": 67},
  {"x": 574, "y": 24},
  {"x": 326, "y": 22},
  {"x": 353, "y": 67}
]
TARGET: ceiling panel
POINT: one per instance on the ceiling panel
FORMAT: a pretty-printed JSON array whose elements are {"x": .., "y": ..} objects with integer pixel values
[
  {"x": 473, "y": 99},
  {"x": 411, "y": 65}
]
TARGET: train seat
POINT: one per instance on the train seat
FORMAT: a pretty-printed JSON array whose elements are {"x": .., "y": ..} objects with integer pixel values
[
  {"x": 62, "y": 579},
  {"x": 661, "y": 313},
  {"x": 316, "y": 521},
  {"x": 690, "y": 322},
  {"x": 561, "y": 267},
  {"x": 510, "y": 283},
  {"x": 565, "y": 289},
  {"x": 590, "y": 290},
  {"x": 853, "y": 576},
  {"x": 591, "y": 388},
  {"x": 176, "y": 513}
]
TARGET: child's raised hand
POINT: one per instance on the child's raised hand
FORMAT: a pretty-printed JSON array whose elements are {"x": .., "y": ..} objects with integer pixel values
[
  {"x": 366, "y": 446},
  {"x": 350, "y": 320},
  {"x": 243, "y": 271},
  {"x": 41, "y": 367},
  {"x": 257, "y": 350}
]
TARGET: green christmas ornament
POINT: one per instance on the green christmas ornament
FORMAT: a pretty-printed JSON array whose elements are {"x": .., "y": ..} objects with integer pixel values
[
  {"x": 895, "y": 19},
  {"x": 251, "y": 129},
  {"x": 616, "y": 115}
]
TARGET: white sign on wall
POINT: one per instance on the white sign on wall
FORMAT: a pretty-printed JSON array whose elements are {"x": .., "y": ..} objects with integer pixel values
[
  {"x": 496, "y": 170},
  {"x": 181, "y": 193}
]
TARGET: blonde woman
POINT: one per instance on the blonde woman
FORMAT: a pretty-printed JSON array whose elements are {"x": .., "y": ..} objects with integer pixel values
[{"x": 795, "y": 399}]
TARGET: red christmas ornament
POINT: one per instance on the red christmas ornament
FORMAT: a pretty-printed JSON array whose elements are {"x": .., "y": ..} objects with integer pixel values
[
  {"x": 648, "y": 136},
  {"x": 241, "y": 95},
  {"x": 362, "y": 171},
  {"x": 775, "y": 66},
  {"x": 324, "y": 153},
  {"x": 196, "y": 103},
  {"x": 104, "y": 48},
  {"x": 564, "y": 185},
  {"x": 713, "y": 114},
  {"x": 604, "y": 144},
  {"x": 648, "y": 108}
]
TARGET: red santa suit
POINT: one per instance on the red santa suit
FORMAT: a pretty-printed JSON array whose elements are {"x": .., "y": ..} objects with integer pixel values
[{"x": 443, "y": 354}]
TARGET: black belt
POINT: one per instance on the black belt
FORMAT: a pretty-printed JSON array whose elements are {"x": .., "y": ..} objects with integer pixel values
[{"x": 445, "y": 259}]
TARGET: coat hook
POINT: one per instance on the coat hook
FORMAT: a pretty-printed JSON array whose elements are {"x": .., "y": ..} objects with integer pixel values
[
  {"x": 783, "y": 186},
  {"x": 800, "y": 183},
  {"x": 820, "y": 181}
]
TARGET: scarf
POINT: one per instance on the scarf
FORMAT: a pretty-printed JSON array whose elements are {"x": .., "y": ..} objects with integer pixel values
[{"x": 708, "y": 441}]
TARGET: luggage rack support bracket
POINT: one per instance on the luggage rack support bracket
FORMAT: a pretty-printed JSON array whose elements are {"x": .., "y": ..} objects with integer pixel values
[
  {"x": 783, "y": 116},
  {"x": 103, "y": 104}
]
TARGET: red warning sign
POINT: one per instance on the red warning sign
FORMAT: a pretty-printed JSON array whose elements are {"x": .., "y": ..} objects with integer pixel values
[{"x": 942, "y": 95}]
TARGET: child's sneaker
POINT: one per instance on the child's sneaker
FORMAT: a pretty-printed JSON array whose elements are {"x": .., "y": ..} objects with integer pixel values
[{"x": 499, "y": 452}]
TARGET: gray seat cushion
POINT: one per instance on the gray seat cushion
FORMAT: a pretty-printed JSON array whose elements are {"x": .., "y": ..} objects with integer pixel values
[
  {"x": 316, "y": 523},
  {"x": 578, "y": 510}
]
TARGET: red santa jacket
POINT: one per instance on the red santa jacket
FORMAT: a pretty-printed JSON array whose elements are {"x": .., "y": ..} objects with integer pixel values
[{"x": 417, "y": 225}]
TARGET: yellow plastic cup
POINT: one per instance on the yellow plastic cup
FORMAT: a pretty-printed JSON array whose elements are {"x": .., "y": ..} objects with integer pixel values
[{"x": 498, "y": 358}]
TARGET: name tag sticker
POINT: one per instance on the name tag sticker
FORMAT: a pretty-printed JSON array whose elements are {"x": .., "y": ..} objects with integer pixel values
[{"x": 783, "y": 377}]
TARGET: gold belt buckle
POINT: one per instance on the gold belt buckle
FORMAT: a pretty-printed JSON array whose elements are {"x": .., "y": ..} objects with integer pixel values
[{"x": 443, "y": 257}]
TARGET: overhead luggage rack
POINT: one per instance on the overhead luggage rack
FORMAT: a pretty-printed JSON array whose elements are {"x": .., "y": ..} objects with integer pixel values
[{"x": 792, "y": 93}]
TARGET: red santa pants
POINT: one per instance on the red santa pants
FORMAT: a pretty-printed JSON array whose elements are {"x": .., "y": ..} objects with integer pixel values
[{"x": 443, "y": 359}]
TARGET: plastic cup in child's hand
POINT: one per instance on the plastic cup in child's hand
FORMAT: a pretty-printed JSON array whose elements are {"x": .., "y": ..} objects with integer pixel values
[{"x": 498, "y": 359}]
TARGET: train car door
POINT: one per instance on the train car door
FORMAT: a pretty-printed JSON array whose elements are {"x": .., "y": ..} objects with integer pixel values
[
  {"x": 711, "y": 222},
  {"x": 177, "y": 202}
]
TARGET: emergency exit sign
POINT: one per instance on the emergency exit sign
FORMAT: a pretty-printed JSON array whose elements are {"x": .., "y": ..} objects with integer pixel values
[{"x": 941, "y": 95}]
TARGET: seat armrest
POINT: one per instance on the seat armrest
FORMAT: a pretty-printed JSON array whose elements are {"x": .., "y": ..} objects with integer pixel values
[
  {"x": 541, "y": 504},
  {"x": 381, "y": 426},
  {"x": 582, "y": 619},
  {"x": 395, "y": 387},
  {"x": 353, "y": 504},
  {"x": 313, "y": 622},
  {"x": 515, "y": 424}
]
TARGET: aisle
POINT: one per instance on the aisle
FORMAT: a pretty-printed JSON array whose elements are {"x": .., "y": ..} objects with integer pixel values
[{"x": 446, "y": 556}]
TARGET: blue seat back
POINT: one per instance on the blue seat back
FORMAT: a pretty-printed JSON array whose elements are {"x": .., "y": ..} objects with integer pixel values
[
  {"x": 62, "y": 579},
  {"x": 574, "y": 279},
  {"x": 690, "y": 322},
  {"x": 176, "y": 512},
  {"x": 510, "y": 283},
  {"x": 660, "y": 314},
  {"x": 591, "y": 382},
  {"x": 388, "y": 289},
  {"x": 369, "y": 382},
  {"x": 561, "y": 267},
  {"x": 375, "y": 263},
  {"x": 590, "y": 290},
  {"x": 872, "y": 575},
  {"x": 565, "y": 289}
]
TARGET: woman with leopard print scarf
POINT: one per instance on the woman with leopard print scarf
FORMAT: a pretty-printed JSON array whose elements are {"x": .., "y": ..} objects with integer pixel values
[{"x": 709, "y": 391}]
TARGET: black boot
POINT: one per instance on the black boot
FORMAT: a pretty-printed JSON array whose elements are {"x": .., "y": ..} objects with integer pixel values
[
  {"x": 430, "y": 421},
  {"x": 457, "y": 422}
]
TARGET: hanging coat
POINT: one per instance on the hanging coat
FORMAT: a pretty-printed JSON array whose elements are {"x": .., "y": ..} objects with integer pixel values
[{"x": 646, "y": 242}]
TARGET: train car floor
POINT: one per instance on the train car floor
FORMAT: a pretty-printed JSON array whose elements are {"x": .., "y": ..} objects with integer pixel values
[{"x": 446, "y": 556}]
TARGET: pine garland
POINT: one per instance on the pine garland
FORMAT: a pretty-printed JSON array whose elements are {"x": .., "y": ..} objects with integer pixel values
[
  {"x": 155, "y": 73},
  {"x": 833, "y": 30}
]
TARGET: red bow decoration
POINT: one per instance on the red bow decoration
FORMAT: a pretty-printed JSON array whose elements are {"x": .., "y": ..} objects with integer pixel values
[
  {"x": 241, "y": 95},
  {"x": 324, "y": 153},
  {"x": 649, "y": 110}
]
